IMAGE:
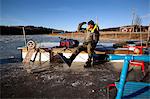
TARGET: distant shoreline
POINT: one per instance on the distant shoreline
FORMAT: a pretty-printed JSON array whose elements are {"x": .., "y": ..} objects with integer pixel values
[
  {"x": 121, "y": 36},
  {"x": 105, "y": 34},
  {"x": 29, "y": 30}
]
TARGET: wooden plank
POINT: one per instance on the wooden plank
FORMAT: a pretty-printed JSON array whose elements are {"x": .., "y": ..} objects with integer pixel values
[
  {"x": 40, "y": 69},
  {"x": 123, "y": 52},
  {"x": 71, "y": 50},
  {"x": 135, "y": 90}
]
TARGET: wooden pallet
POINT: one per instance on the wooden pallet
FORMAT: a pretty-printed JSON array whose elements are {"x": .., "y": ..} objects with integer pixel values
[{"x": 137, "y": 90}]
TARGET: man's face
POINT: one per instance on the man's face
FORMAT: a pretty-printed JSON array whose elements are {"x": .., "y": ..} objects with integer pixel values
[{"x": 90, "y": 26}]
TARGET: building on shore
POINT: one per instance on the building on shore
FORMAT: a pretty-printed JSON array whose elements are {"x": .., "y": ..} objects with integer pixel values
[
  {"x": 113, "y": 29},
  {"x": 128, "y": 28},
  {"x": 133, "y": 28},
  {"x": 57, "y": 31}
]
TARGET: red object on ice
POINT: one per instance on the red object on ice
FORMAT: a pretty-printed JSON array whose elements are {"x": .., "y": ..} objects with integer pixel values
[
  {"x": 140, "y": 48},
  {"x": 111, "y": 85},
  {"x": 139, "y": 63},
  {"x": 134, "y": 63}
]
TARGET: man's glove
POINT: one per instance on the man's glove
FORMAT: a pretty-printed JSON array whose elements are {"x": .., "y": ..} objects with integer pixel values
[
  {"x": 85, "y": 43},
  {"x": 80, "y": 26}
]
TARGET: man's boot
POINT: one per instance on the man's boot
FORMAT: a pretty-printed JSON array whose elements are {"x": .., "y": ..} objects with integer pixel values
[
  {"x": 66, "y": 60},
  {"x": 87, "y": 64}
]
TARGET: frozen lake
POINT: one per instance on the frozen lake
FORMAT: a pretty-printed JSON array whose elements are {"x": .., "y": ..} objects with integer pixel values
[{"x": 10, "y": 43}]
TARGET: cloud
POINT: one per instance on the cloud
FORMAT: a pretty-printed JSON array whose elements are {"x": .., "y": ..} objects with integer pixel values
[
  {"x": 9, "y": 21},
  {"x": 58, "y": 9},
  {"x": 55, "y": 9},
  {"x": 146, "y": 16}
]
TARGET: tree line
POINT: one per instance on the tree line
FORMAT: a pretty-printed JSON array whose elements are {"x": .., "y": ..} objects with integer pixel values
[{"x": 29, "y": 30}]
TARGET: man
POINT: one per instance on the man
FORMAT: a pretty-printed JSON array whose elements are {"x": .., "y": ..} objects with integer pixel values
[{"x": 89, "y": 44}]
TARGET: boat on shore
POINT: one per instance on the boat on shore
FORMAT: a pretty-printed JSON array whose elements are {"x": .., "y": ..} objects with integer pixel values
[
  {"x": 48, "y": 52},
  {"x": 121, "y": 48}
]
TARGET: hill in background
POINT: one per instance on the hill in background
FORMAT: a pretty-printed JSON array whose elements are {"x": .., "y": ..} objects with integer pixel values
[{"x": 29, "y": 30}]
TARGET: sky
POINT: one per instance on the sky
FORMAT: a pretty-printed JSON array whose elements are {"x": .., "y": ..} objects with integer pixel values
[{"x": 67, "y": 14}]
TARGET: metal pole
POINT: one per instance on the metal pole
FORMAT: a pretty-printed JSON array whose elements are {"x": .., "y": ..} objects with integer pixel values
[
  {"x": 140, "y": 35},
  {"x": 72, "y": 36},
  {"x": 122, "y": 78},
  {"x": 96, "y": 20},
  {"x": 144, "y": 58},
  {"x": 24, "y": 34},
  {"x": 130, "y": 35},
  {"x": 148, "y": 36},
  {"x": 133, "y": 17},
  {"x": 126, "y": 58}
]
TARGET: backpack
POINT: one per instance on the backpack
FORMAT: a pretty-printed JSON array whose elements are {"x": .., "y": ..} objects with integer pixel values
[{"x": 69, "y": 43}]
